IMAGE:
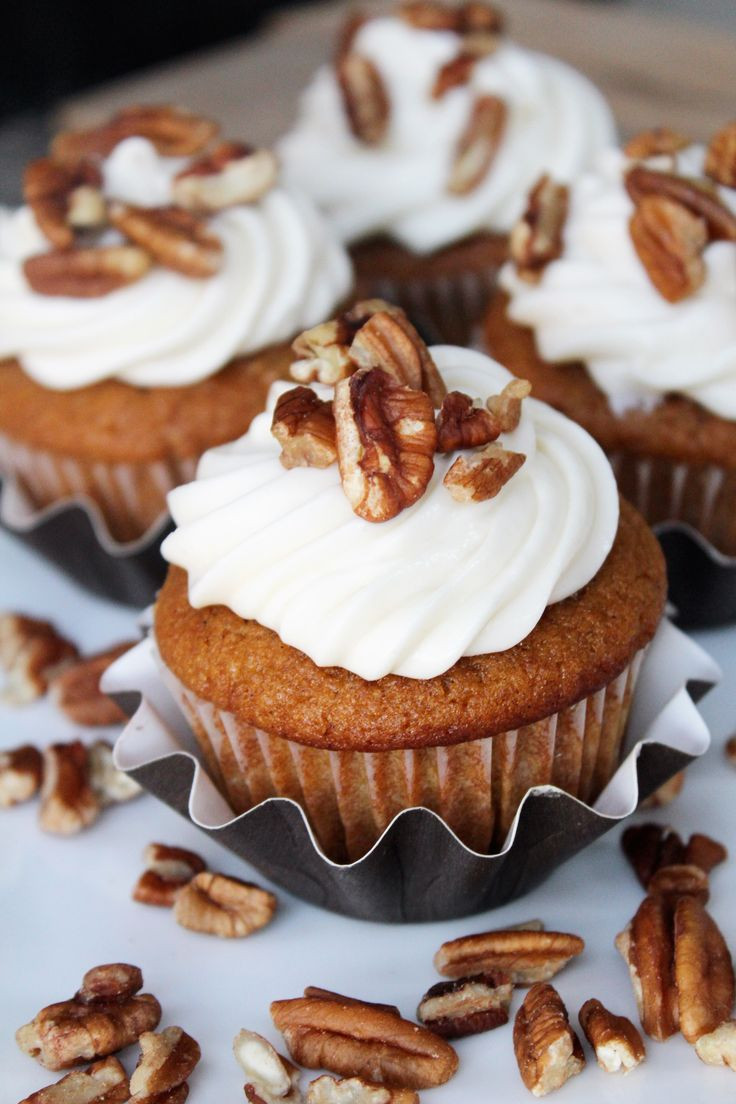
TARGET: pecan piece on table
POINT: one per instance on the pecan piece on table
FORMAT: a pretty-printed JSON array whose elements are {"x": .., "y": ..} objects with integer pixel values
[
  {"x": 461, "y": 424},
  {"x": 679, "y": 880},
  {"x": 173, "y": 132},
  {"x": 506, "y": 406},
  {"x": 115, "y": 981},
  {"x": 647, "y": 947},
  {"x": 655, "y": 142},
  {"x": 232, "y": 173},
  {"x": 110, "y": 785},
  {"x": 31, "y": 653},
  {"x": 364, "y": 97},
  {"x": 218, "y": 905},
  {"x": 103, "y": 1083},
  {"x": 466, "y": 1006},
  {"x": 453, "y": 74},
  {"x": 167, "y": 1059},
  {"x": 62, "y": 199},
  {"x": 703, "y": 970},
  {"x": 480, "y": 475},
  {"x": 720, "y": 160},
  {"x": 76, "y": 690},
  {"x": 536, "y": 239},
  {"x": 323, "y": 353},
  {"x": 86, "y": 273},
  {"x": 360, "y": 1040},
  {"x": 168, "y": 869},
  {"x": 669, "y": 241},
  {"x": 699, "y": 198},
  {"x": 356, "y": 1090},
  {"x": 651, "y": 847},
  {"x": 526, "y": 955},
  {"x": 478, "y": 145},
  {"x": 21, "y": 773},
  {"x": 318, "y": 993},
  {"x": 177, "y": 239},
  {"x": 617, "y": 1044},
  {"x": 304, "y": 426},
  {"x": 68, "y": 802},
  {"x": 270, "y": 1076},
  {"x": 718, "y": 1048},
  {"x": 386, "y": 339},
  {"x": 386, "y": 438},
  {"x": 548, "y": 1052}
]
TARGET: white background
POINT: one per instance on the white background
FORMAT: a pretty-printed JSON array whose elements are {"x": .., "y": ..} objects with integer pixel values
[{"x": 65, "y": 906}]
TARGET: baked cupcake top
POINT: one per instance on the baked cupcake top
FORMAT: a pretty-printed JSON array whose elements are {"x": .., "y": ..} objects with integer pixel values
[
  {"x": 634, "y": 272},
  {"x": 151, "y": 252},
  {"x": 431, "y": 126},
  {"x": 377, "y": 533}
]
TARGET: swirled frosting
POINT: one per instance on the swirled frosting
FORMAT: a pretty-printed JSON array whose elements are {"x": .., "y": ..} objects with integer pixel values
[
  {"x": 597, "y": 304},
  {"x": 412, "y": 595},
  {"x": 557, "y": 121},
  {"x": 282, "y": 271}
]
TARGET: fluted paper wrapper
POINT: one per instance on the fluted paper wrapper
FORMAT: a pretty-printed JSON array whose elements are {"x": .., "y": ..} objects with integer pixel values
[
  {"x": 446, "y": 309},
  {"x": 418, "y": 868}
]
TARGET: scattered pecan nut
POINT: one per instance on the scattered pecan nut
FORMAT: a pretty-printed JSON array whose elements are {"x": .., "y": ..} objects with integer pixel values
[
  {"x": 679, "y": 880},
  {"x": 86, "y": 273},
  {"x": 304, "y": 426},
  {"x": 703, "y": 970},
  {"x": 360, "y": 1040},
  {"x": 364, "y": 97},
  {"x": 173, "y": 132},
  {"x": 506, "y": 406},
  {"x": 617, "y": 1044},
  {"x": 526, "y": 955},
  {"x": 650, "y": 847},
  {"x": 168, "y": 869},
  {"x": 232, "y": 173},
  {"x": 656, "y": 142},
  {"x": 218, "y": 905},
  {"x": 31, "y": 653},
  {"x": 103, "y": 1083},
  {"x": 669, "y": 241},
  {"x": 536, "y": 239},
  {"x": 68, "y": 802},
  {"x": 699, "y": 198},
  {"x": 21, "y": 773},
  {"x": 466, "y": 1006},
  {"x": 167, "y": 1059},
  {"x": 720, "y": 159},
  {"x": 63, "y": 199},
  {"x": 270, "y": 1077},
  {"x": 113, "y": 982},
  {"x": 76, "y": 690},
  {"x": 548, "y": 1052},
  {"x": 318, "y": 993},
  {"x": 323, "y": 353},
  {"x": 461, "y": 424},
  {"x": 647, "y": 947},
  {"x": 355, "y": 1090},
  {"x": 718, "y": 1048},
  {"x": 386, "y": 438},
  {"x": 177, "y": 239},
  {"x": 453, "y": 74},
  {"x": 478, "y": 145},
  {"x": 666, "y": 793},
  {"x": 482, "y": 474},
  {"x": 111, "y": 785}
]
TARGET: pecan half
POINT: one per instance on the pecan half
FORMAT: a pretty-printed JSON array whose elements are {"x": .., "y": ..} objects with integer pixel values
[
  {"x": 86, "y": 273},
  {"x": 386, "y": 438},
  {"x": 453, "y": 74},
  {"x": 617, "y": 1044},
  {"x": 654, "y": 143},
  {"x": 718, "y": 1048},
  {"x": 461, "y": 424},
  {"x": 173, "y": 131},
  {"x": 217, "y": 905},
  {"x": 669, "y": 241},
  {"x": 175, "y": 238},
  {"x": 548, "y": 1052},
  {"x": 270, "y": 1076},
  {"x": 386, "y": 339},
  {"x": 168, "y": 869},
  {"x": 703, "y": 970},
  {"x": 526, "y": 955},
  {"x": 478, "y": 144},
  {"x": 704, "y": 852},
  {"x": 323, "y": 353},
  {"x": 103, "y": 1083},
  {"x": 111, "y": 983},
  {"x": 76, "y": 690},
  {"x": 355, "y": 1090},
  {"x": 679, "y": 880},
  {"x": 482, "y": 474},
  {"x": 700, "y": 198},
  {"x": 304, "y": 426},
  {"x": 31, "y": 652},
  {"x": 110, "y": 785},
  {"x": 21, "y": 772},
  {"x": 68, "y": 803},
  {"x": 232, "y": 173},
  {"x": 720, "y": 160},
  {"x": 650, "y": 847},
  {"x": 506, "y": 406},
  {"x": 166, "y": 1061},
  {"x": 62, "y": 199},
  {"x": 647, "y": 947},
  {"x": 466, "y": 1006},
  {"x": 536, "y": 239},
  {"x": 364, "y": 97}
]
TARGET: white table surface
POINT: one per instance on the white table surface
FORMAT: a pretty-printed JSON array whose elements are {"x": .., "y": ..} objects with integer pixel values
[{"x": 65, "y": 906}]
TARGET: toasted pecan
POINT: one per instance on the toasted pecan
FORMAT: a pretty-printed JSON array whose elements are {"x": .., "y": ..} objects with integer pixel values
[
  {"x": 21, "y": 773},
  {"x": 387, "y": 339},
  {"x": 62, "y": 199},
  {"x": 526, "y": 955},
  {"x": 699, "y": 198},
  {"x": 506, "y": 406},
  {"x": 466, "y": 1006},
  {"x": 536, "y": 239},
  {"x": 720, "y": 159},
  {"x": 617, "y": 1044},
  {"x": 227, "y": 907},
  {"x": 104, "y": 1082},
  {"x": 478, "y": 144},
  {"x": 703, "y": 970},
  {"x": 86, "y": 273},
  {"x": 167, "y": 1059},
  {"x": 364, "y": 97},
  {"x": 655, "y": 143},
  {"x": 31, "y": 653},
  {"x": 669, "y": 240},
  {"x": 356, "y": 1090},
  {"x": 232, "y": 173},
  {"x": 548, "y": 1052},
  {"x": 647, "y": 947},
  {"x": 68, "y": 802},
  {"x": 479, "y": 476},
  {"x": 173, "y": 131},
  {"x": 175, "y": 238},
  {"x": 304, "y": 426},
  {"x": 76, "y": 690},
  {"x": 462, "y": 424}
]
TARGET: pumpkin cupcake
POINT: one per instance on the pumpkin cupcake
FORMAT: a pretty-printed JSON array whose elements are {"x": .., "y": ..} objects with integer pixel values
[
  {"x": 620, "y": 306},
  {"x": 420, "y": 142},
  {"x": 148, "y": 292},
  {"x": 390, "y": 594}
]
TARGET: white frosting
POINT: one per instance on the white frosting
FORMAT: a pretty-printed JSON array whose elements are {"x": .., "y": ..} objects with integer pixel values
[
  {"x": 557, "y": 122},
  {"x": 282, "y": 272},
  {"x": 414, "y": 594},
  {"x": 597, "y": 303}
]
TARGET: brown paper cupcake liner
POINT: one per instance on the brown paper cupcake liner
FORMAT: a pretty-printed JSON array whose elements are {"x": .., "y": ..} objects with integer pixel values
[
  {"x": 350, "y": 797},
  {"x": 446, "y": 309}
]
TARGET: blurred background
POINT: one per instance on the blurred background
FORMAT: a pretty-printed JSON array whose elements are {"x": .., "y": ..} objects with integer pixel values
[{"x": 64, "y": 59}]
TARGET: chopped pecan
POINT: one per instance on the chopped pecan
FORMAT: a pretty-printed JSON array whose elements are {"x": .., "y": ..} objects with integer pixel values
[
  {"x": 323, "y": 353},
  {"x": 271, "y": 1077},
  {"x": 482, "y": 474},
  {"x": 232, "y": 173},
  {"x": 166, "y": 1061},
  {"x": 173, "y": 132},
  {"x": 110, "y": 785},
  {"x": 355, "y": 1090},
  {"x": 21, "y": 773},
  {"x": 360, "y": 1040},
  {"x": 679, "y": 880},
  {"x": 386, "y": 339},
  {"x": 655, "y": 143},
  {"x": 68, "y": 802},
  {"x": 175, "y": 238},
  {"x": 718, "y": 1048},
  {"x": 86, "y": 273},
  {"x": 453, "y": 73},
  {"x": 364, "y": 97},
  {"x": 548, "y": 1052},
  {"x": 76, "y": 690},
  {"x": 720, "y": 160},
  {"x": 386, "y": 438},
  {"x": 103, "y": 1083},
  {"x": 461, "y": 424},
  {"x": 506, "y": 406},
  {"x": 62, "y": 199},
  {"x": 115, "y": 981},
  {"x": 318, "y": 993},
  {"x": 703, "y": 970},
  {"x": 218, "y": 905},
  {"x": 526, "y": 955},
  {"x": 699, "y": 198},
  {"x": 536, "y": 239},
  {"x": 647, "y": 947},
  {"x": 168, "y": 869},
  {"x": 467, "y": 1005},
  {"x": 666, "y": 793},
  {"x": 669, "y": 241},
  {"x": 31, "y": 652},
  {"x": 304, "y": 426},
  {"x": 478, "y": 144},
  {"x": 616, "y": 1042}
]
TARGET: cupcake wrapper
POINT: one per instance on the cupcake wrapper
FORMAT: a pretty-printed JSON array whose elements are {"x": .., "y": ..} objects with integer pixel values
[
  {"x": 418, "y": 868},
  {"x": 446, "y": 309},
  {"x": 693, "y": 510}
]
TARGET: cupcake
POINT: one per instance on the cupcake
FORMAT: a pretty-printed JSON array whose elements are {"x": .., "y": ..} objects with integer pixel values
[
  {"x": 620, "y": 306},
  {"x": 148, "y": 292},
  {"x": 390, "y": 594},
  {"x": 420, "y": 142}
]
